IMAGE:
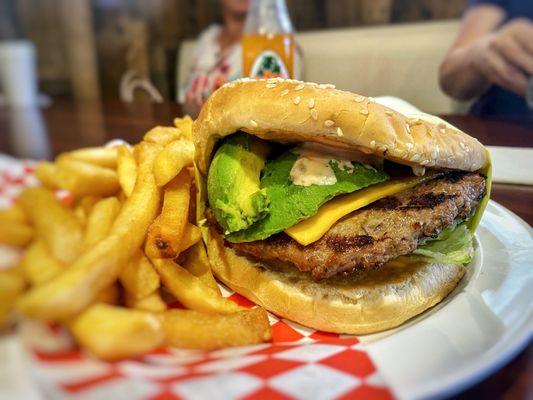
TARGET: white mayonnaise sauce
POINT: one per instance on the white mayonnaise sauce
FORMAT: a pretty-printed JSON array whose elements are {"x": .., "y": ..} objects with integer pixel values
[
  {"x": 312, "y": 167},
  {"x": 340, "y": 154},
  {"x": 312, "y": 170}
]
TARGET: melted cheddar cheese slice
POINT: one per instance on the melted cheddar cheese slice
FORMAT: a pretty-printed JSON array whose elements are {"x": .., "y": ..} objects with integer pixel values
[{"x": 313, "y": 228}]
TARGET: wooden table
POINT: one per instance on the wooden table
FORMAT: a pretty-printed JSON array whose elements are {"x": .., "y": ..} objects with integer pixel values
[{"x": 66, "y": 126}]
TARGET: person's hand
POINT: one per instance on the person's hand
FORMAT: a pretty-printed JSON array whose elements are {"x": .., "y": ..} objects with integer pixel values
[{"x": 505, "y": 57}]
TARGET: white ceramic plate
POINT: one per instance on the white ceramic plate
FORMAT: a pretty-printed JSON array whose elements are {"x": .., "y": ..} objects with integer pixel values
[{"x": 484, "y": 322}]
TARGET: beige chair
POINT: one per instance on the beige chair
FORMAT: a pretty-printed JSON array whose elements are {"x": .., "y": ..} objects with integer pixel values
[{"x": 395, "y": 60}]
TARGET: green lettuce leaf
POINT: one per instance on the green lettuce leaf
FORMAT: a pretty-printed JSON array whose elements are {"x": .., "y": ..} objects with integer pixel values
[
  {"x": 453, "y": 246},
  {"x": 289, "y": 203}
]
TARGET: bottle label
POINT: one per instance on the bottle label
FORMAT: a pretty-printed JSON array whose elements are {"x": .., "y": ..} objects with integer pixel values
[{"x": 269, "y": 64}]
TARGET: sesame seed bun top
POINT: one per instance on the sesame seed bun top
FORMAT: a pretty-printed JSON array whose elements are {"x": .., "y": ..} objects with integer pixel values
[{"x": 290, "y": 111}]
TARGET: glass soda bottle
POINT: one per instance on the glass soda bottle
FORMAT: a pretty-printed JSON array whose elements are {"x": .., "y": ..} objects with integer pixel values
[{"x": 268, "y": 41}]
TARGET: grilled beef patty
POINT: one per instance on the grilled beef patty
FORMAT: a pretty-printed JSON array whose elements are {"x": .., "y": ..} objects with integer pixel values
[{"x": 386, "y": 229}]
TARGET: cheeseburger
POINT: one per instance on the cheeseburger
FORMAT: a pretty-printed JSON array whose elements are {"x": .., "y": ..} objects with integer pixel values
[{"x": 332, "y": 210}]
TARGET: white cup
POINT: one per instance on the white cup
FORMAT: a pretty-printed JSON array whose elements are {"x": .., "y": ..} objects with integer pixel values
[
  {"x": 28, "y": 133},
  {"x": 18, "y": 77}
]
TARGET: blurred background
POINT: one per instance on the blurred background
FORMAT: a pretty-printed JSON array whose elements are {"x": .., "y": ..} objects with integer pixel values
[{"x": 85, "y": 47}]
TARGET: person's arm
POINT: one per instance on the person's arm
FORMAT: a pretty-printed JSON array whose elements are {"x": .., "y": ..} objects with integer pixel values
[{"x": 483, "y": 55}]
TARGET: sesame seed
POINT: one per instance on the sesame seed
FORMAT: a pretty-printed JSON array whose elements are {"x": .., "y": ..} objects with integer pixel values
[
  {"x": 284, "y": 92},
  {"x": 388, "y": 112},
  {"x": 270, "y": 85},
  {"x": 372, "y": 143},
  {"x": 272, "y": 80},
  {"x": 339, "y": 132},
  {"x": 371, "y": 100},
  {"x": 311, "y": 103},
  {"x": 326, "y": 86},
  {"x": 409, "y": 145},
  {"x": 416, "y": 157},
  {"x": 424, "y": 162},
  {"x": 462, "y": 145},
  {"x": 364, "y": 112},
  {"x": 414, "y": 121},
  {"x": 382, "y": 148},
  {"x": 329, "y": 123},
  {"x": 359, "y": 99},
  {"x": 297, "y": 100},
  {"x": 253, "y": 123},
  {"x": 442, "y": 131},
  {"x": 408, "y": 129},
  {"x": 299, "y": 87},
  {"x": 314, "y": 114}
]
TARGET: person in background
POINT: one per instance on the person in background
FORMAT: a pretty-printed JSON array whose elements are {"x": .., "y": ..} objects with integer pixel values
[
  {"x": 217, "y": 58},
  {"x": 492, "y": 57}
]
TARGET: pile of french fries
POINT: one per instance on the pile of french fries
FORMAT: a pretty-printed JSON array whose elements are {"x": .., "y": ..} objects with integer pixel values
[{"x": 123, "y": 266}]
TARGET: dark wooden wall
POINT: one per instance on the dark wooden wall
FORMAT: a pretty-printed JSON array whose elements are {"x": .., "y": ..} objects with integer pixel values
[{"x": 85, "y": 46}]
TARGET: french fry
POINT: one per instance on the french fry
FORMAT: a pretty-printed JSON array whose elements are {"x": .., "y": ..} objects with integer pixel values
[
  {"x": 191, "y": 236},
  {"x": 126, "y": 170},
  {"x": 88, "y": 202},
  {"x": 108, "y": 295},
  {"x": 11, "y": 285},
  {"x": 153, "y": 303},
  {"x": 165, "y": 233},
  {"x": 46, "y": 172},
  {"x": 101, "y": 156},
  {"x": 190, "y": 291},
  {"x": 15, "y": 233},
  {"x": 98, "y": 267},
  {"x": 185, "y": 126},
  {"x": 83, "y": 208},
  {"x": 172, "y": 159},
  {"x": 82, "y": 178},
  {"x": 80, "y": 215},
  {"x": 162, "y": 135},
  {"x": 38, "y": 265},
  {"x": 197, "y": 330},
  {"x": 14, "y": 213},
  {"x": 54, "y": 223},
  {"x": 100, "y": 221},
  {"x": 139, "y": 277},
  {"x": 197, "y": 263},
  {"x": 112, "y": 333}
]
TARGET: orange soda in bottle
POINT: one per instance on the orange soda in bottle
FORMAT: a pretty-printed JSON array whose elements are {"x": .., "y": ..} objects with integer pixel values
[{"x": 268, "y": 41}]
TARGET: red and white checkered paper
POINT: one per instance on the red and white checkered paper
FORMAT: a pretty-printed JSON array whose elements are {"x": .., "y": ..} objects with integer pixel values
[{"x": 299, "y": 362}]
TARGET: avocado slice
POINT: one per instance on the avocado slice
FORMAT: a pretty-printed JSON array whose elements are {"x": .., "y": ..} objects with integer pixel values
[{"x": 233, "y": 188}]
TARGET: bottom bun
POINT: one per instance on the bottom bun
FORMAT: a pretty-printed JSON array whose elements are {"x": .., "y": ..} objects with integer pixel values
[{"x": 365, "y": 302}]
